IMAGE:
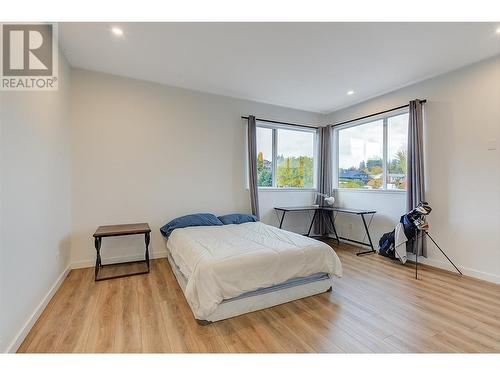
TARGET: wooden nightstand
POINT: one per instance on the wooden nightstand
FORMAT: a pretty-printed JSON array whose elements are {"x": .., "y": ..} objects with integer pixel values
[{"x": 120, "y": 230}]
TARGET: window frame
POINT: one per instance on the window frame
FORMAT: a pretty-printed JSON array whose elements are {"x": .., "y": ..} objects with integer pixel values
[
  {"x": 275, "y": 128},
  {"x": 385, "y": 139}
]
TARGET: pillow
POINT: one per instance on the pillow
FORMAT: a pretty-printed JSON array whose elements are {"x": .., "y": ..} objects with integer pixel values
[
  {"x": 237, "y": 218},
  {"x": 195, "y": 220}
]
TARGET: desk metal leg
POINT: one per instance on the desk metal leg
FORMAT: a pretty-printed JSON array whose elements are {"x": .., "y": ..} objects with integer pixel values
[
  {"x": 98, "y": 263},
  {"x": 334, "y": 229},
  {"x": 312, "y": 222},
  {"x": 282, "y": 218},
  {"x": 147, "y": 237},
  {"x": 369, "y": 238}
]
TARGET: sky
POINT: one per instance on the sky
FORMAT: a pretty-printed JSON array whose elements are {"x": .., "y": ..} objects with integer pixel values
[
  {"x": 265, "y": 143},
  {"x": 365, "y": 141},
  {"x": 397, "y": 134},
  {"x": 360, "y": 143},
  {"x": 290, "y": 143}
]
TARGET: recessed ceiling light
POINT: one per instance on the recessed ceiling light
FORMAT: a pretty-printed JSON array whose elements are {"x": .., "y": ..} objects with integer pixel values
[
  {"x": 350, "y": 92},
  {"x": 498, "y": 30},
  {"x": 117, "y": 31}
]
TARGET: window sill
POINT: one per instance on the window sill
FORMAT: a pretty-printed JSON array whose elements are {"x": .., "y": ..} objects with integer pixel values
[
  {"x": 287, "y": 190},
  {"x": 370, "y": 191}
]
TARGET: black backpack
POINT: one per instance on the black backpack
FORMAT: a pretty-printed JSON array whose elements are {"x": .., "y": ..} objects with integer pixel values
[{"x": 386, "y": 245}]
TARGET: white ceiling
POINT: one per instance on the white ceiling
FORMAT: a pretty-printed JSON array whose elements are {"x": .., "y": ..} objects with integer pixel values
[{"x": 307, "y": 66}]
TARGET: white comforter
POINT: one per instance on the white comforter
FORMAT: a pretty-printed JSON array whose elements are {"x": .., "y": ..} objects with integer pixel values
[{"x": 221, "y": 262}]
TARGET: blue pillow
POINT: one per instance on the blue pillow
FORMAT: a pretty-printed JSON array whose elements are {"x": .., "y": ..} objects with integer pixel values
[
  {"x": 195, "y": 220},
  {"x": 237, "y": 218}
]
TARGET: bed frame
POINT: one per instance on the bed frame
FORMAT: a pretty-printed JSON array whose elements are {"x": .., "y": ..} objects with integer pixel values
[{"x": 264, "y": 298}]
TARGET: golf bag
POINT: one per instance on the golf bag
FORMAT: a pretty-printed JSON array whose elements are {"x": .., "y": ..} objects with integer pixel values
[
  {"x": 386, "y": 245},
  {"x": 410, "y": 224}
]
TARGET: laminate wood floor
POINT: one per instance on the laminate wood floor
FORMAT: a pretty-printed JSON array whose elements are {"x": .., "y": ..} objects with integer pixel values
[{"x": 377, "y": 306}]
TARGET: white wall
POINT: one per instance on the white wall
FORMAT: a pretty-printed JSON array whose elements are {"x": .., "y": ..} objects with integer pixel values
[
  {"x": 294, "y": 221},
  {"x": 148, "y": 152},
  {"x": 35, "y": 203},
  {"x": 462, "y": 175},
  {"x": 389, "y": 207}
]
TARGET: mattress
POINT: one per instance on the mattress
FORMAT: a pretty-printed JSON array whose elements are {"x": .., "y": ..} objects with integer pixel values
[
  {"x": 221, "y": 263},
  {"x": 261, "y": 298},
  {"x": 296, "y": 281}
]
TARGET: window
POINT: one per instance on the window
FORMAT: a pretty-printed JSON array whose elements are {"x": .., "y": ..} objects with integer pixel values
[
  {"x": 286, "y": 158},
  {"x": 264, "y": 157},
  {"x": 397, "y": 145},
  {"x": 372, "y": 155}
]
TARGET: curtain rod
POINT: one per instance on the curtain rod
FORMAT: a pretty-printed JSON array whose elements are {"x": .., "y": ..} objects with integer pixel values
[
  {"x": 282, "y": 123},
  {"x": 423, "y": 101}
]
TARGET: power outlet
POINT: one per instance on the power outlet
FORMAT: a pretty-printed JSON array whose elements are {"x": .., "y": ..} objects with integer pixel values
[{"x": 492, "y": 144}]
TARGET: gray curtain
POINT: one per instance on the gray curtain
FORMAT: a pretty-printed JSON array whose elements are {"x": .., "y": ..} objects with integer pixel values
[
  {"x": 252, "y": 165},
  {"x": 415, "y": 191},
  {"x": 325, "y": 173}
]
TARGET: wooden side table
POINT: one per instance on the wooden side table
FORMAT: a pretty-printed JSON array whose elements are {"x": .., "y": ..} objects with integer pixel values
[{"x": 120, "y": 230}]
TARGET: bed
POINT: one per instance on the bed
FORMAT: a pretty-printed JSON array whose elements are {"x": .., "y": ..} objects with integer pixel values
[{"x": 229, "y": 270}]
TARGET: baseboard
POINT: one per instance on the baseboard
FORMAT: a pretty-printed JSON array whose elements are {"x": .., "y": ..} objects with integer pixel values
[
  {"x": 117, "y": 259},
  {"x": 443, "y": 264},
  {"x": 16, "y": 343}
]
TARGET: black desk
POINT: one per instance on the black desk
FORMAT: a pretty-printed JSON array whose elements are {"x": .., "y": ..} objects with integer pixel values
[{"x": 331, "y": 211}]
